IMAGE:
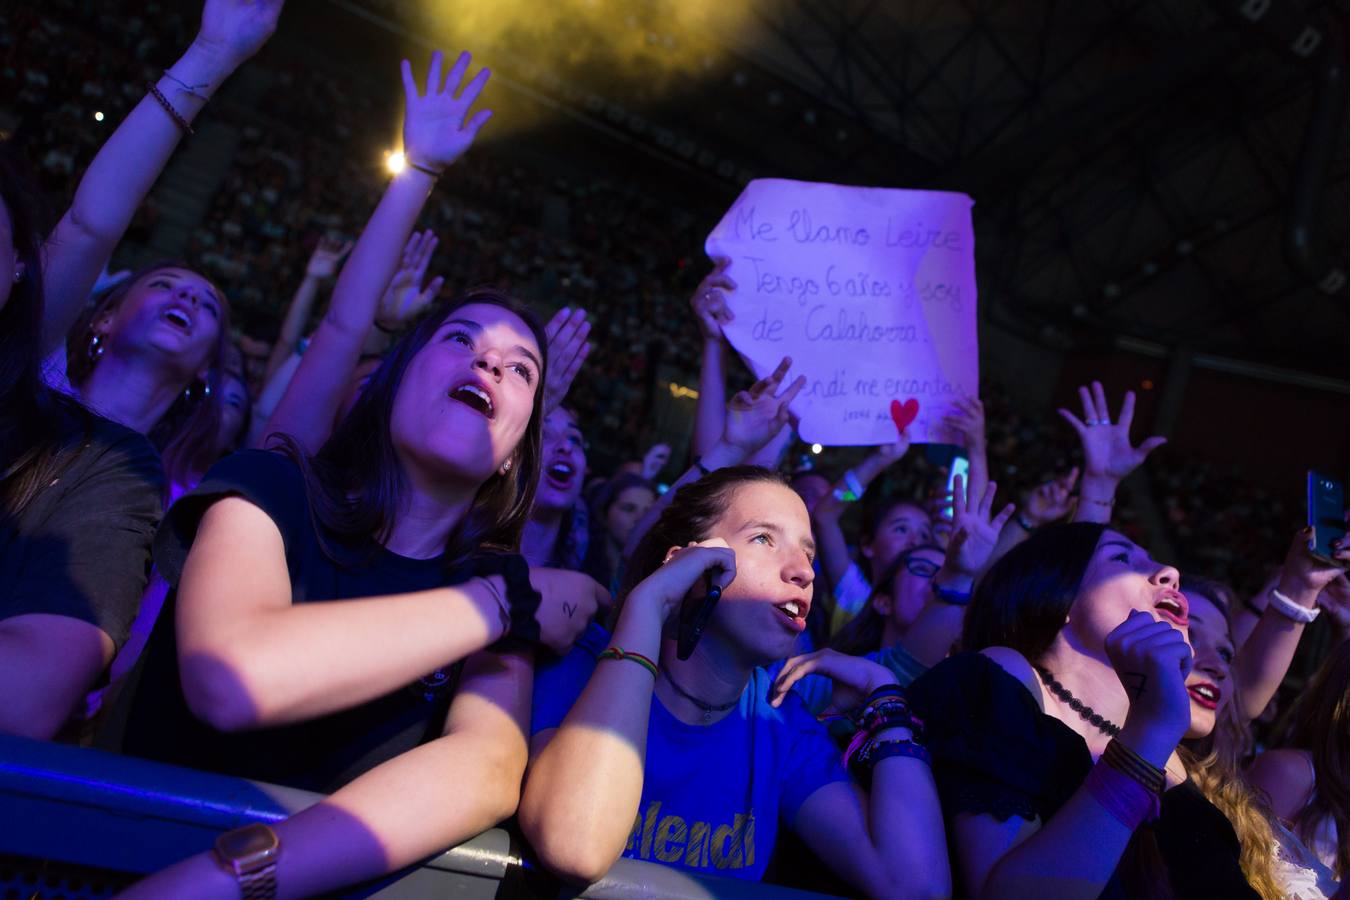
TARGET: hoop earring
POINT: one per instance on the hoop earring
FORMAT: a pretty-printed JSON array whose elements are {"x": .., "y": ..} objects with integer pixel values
[{"x": 96, "y": 347}]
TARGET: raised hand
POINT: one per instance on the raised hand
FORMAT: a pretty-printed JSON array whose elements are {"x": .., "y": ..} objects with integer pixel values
[
  {"x": 968, "y": 422},
  {"x": 406, "y": 296},
  {"x": 663, "y": 590},
  {"x": 1303, "y": 576},
  {"x": 854, "y": 677},
  {"x": 1152, "y": 659},
  {"x": 975, "y": 530},
  {"x": 710, "y": 303},
  {"x": 1051, "y": 501},
  {"x": 756, "y": 415},
  {"x": 1107, "y": 450},
  {"x": 323, "y": 262},
  {"x": 568, "y": 601},
  {"x": 567, "y": 350},
  {"x": 437, "y": 127},
  {"x": 234, "y": 30}
]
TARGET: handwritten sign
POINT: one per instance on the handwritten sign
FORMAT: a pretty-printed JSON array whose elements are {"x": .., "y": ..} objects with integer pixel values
[{"x": 871, "y": 291}]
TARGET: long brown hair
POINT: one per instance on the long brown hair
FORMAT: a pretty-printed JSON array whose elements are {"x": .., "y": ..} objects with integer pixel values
[
  {"x": 1319, "y": 722},
  {"x": 355, "y": 480},
  {"x": 187, "y": 435}
]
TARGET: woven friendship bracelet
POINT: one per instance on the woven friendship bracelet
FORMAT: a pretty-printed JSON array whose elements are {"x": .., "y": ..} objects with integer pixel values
[{"x": 619, "y": 653}]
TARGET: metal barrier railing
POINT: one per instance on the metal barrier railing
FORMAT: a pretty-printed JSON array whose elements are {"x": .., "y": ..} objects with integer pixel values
[{"x": 91, "y": 822}]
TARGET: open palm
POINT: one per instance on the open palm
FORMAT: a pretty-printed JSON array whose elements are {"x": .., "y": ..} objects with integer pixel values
[
  {"x": 1107, "y": 450},
  {"x": 437, "y": 128},
  {"x": 975, "y": 529}
]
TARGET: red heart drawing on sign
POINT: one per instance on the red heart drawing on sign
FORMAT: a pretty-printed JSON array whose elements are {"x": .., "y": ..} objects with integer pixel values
[{"x": 904, "y": 413}]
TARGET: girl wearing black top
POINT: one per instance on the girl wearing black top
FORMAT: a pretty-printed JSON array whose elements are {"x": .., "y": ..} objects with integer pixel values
[
  {"x": 1079, "y": 635},
  {"x": 325, "y": 604},
  {"x": 79, "y": 500}
]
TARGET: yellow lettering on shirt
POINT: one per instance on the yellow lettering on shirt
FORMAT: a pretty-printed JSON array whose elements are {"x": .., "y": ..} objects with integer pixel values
[
  {"x": 670, "y": 838},
  {"x": 653, "y": 809},
  {"x": 696, "y": 855}
]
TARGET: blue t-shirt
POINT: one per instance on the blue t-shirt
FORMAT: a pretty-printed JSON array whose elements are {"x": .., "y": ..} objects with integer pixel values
[{"x": 713, "y": 796}]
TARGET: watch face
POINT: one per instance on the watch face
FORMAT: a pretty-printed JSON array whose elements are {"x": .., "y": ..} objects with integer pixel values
[{"x": 248, "y": 847}]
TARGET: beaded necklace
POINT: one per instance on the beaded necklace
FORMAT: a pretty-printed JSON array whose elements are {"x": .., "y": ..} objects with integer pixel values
[{"x": 1096, "y": 719}]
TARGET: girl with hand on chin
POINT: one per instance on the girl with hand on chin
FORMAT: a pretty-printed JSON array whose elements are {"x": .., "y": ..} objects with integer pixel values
[
  {"x": 697, "y": 763},
  {"x": 1054, "y": 738},
  {"x": 338, "y": 619}
]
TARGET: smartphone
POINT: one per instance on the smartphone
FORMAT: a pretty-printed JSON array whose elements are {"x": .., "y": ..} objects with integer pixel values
[
  {"x": 695, "y": 614},
  {"x": 960, "y": 466},
  {"x": 1326, "y": 513}
]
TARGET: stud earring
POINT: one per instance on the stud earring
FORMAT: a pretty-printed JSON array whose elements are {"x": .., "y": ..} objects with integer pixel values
[
  {"x": 96, "y": 347},
  {"x": 200, "y": 389},
  {"x": 18, "y": 274}
]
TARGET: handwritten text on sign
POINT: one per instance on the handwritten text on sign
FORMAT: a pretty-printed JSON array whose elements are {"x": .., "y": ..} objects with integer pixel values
[{"x": 871, "y": 291}]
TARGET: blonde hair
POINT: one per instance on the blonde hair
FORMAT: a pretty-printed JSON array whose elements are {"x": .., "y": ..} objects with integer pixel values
[{"x": 1214, "y": 763}]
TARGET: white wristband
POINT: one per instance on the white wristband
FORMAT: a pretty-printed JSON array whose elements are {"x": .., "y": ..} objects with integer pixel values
[{"x": 1291, "y": 610}]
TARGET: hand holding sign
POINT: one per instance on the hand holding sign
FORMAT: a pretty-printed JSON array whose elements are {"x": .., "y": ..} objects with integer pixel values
[
  {"x": 710, "y": 302},
  {"x": 870, "y": 290}
]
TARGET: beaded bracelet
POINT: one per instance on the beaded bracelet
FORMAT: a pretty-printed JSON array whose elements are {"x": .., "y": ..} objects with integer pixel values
[
  {"x": 617, "y": 652},
  {"x": 169, "y": 108}
]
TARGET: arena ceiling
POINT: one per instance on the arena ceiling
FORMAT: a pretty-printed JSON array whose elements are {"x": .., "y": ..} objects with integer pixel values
[{"x": 1135, "y": 165}]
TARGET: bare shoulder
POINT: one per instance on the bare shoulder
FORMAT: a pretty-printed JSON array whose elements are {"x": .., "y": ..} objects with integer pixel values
[
  {"x": 1016, "y": 665},
  {"x": 1285, "y": 777}
]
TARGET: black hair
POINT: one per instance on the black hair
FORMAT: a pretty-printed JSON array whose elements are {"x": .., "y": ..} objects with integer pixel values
[{"x": 1025, "y": 597}]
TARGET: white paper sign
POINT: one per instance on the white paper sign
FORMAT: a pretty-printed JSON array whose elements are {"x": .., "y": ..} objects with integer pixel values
[{"x": 871, "y": 291}]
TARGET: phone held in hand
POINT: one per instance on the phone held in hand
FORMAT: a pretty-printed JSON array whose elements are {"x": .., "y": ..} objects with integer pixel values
[
  {"x": 1326, "y": 513},
  {"x": 960, "y": 466},
  {"x": 695, "y": 613}
]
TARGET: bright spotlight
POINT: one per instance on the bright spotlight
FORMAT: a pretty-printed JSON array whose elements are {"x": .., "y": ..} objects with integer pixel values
[
  {"x": 816, "y": 448},
  {"x": 98, "y": 117},
  {"x": 395, "y": 161}
]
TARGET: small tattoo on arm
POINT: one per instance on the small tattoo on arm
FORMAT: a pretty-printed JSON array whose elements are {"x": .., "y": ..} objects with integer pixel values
[
  {"x": 1134, "y": 684},
  {"x": 570, "y": 609}
]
